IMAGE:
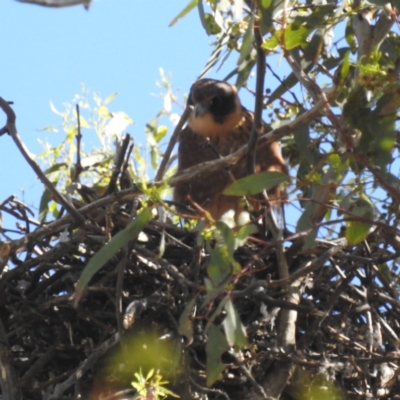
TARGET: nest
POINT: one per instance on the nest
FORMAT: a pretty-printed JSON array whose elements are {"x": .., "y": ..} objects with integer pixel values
[{"x": 327, "y": 326}]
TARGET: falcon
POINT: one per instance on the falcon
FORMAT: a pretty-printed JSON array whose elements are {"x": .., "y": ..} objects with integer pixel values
[{"x": 218, "y": 126}]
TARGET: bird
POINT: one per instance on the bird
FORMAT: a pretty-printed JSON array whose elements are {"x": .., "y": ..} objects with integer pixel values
[{"x": 217, "y": 126}]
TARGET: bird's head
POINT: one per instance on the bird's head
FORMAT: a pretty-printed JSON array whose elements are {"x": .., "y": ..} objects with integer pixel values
[{"x": 216, "y": 107}]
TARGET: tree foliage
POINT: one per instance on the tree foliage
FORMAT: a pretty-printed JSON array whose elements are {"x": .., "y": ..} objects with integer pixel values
[{"x": 111, "y": 284}]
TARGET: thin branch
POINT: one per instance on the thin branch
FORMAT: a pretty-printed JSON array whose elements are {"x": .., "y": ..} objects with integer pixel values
[
  {"x": 10, "y": 127},
  {"x": 78, "y": 164},
  {"x": 171, "y": 144},
  {"x": 118, "y": 165},
  {"x": 58, "y": 3}
]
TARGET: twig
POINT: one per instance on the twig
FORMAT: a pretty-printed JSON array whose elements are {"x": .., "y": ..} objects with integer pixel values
[
  {"x": 248, "y": 374},
  {"x": 118, "y": 290},
  {"x": 58, "y": 3},
  {"x": 78, "y": 165},
  {"x": 10, "y": 127},
  {"x": 171, "y": 144},
  {"x": 118, "y": 165}
]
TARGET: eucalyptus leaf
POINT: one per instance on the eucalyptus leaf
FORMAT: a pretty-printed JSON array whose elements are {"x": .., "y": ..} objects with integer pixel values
[
  {"x": 256, "y": 183},
  {"x": 189, "y": 7},
  {"x": 110, "y": 249},
  {"x": 216, "y": 345}
]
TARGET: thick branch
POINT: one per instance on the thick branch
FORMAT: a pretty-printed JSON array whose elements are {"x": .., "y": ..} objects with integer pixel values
[{"x": 257, "y": 124}]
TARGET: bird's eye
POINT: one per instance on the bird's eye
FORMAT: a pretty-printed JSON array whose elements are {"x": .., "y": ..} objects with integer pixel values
[{"x": 216, "y": 101}]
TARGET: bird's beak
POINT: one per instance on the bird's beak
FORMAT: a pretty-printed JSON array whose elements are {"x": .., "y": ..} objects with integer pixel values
[{"x": 200, "y": 109}]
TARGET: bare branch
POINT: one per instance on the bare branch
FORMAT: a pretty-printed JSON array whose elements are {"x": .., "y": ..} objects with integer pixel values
[
  {"x": 10, "y": 127},
  {"x": 58, "y": 3}
]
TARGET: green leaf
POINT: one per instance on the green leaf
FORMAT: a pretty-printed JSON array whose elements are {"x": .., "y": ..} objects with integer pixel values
[
  {"x": 208, "y": 21},
  {"x": 56, "y": 168},
  {"x": 309, "y": 240},
  {"x": 247, "y": 43},
  {"x": 211, "y": 27},
  {"x": 244, "y": 71},
  {"x": 344, "y": 71},
  {"x": 160, "y": 133},
  {"x": 46, "y": 198},
  {"x": 110, "y": 249},
  {"x": 269, "y": 9},
  {"x": 234, "y": 330},
  {"x": 227, "y": 236},
  {"x": 216, "y": 345},
  {"x": 304, "y": 222},
  {"x": 256, "y": 183},
  {"x": 220, "y": 267},
  {"x": 192, "y": 4},
  {"x": 295, "y": 36},
  {"x": 291, "y": 37},
  {"x": 110, "y": 98},
  {"x": 302, "y": 141},
  {"x": 246, "y": 230},
  {"x": 238, "y": 9},
  {"x": 318, "y": 17},
  {"x": 360, "y": 114},
  {"x": 186, "y": 322},
  {"x": 94, "y": 160},
  {"x": 219, "y": 47},
  {"x": 356, "y": 231},
  {"x": 83, "y": 122}
]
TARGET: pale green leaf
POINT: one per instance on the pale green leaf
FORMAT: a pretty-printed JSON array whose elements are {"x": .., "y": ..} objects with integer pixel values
[
  {"x": 44, "y": 204},
  {"x": 103, "y": 110},
  {"x": 227, "y": 236},
  {"x": 189, "y": 7},
  {"x": 83, "y": 122},
  {"x": 160, "y": 133},
  {"x": 356, "y": 231},
  {"x": 220, "y": 267},
  {"x": 256, "y": 183},
  {"x": 186, "y": 322},
  {"x": 290, "y": 37},
  {"x": 234, "y": 330},
  {"x": 247, "y": 43},
  {"x": 110, "y": 98},
  {"x": 246, "y": 230},
  {"x": 216, "y": 345},
  {"x": 238, "y": 9}
]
